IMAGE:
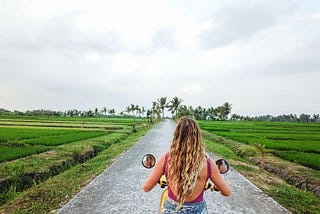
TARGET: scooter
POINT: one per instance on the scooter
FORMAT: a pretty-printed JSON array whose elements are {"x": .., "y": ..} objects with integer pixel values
[{"x": 148, "y": 161}]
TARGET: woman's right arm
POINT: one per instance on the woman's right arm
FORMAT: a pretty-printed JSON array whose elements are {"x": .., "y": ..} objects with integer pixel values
[{"x": 218, "y": 180}]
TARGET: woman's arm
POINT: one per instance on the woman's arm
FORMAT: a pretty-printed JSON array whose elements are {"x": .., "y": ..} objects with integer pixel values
[
  {"x": 218, "y": 180},
  {"x": 155, "y": 175}
]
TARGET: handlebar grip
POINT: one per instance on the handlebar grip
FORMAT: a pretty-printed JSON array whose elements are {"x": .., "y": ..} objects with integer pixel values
[
  {"x": 208, "y": 185},
  {"x": 215, "y": 188},
  {"x": 163, "y": 184}
]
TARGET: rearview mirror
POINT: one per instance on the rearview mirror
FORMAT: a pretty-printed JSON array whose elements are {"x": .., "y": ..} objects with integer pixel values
[
  {"x": 148, "y": 161},
  {"x": 223, "y": 165}
]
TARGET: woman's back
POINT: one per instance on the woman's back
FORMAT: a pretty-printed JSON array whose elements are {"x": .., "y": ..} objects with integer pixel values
[{"x": 199, "y": 186}]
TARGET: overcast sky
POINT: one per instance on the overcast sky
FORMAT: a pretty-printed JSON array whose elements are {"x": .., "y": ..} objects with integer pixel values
[{"x": 263, "y": 57}]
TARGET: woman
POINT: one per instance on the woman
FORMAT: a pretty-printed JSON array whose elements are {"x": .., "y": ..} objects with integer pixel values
[{"x": 187, "y": 168}]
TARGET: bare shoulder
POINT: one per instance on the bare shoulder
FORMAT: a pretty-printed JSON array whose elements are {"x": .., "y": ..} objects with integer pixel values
[
  {"x": 161, "y": 158},
  {"x": 210, "y": 159}
]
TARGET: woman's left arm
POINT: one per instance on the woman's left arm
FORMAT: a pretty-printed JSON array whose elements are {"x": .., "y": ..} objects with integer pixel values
[
  {"x": 155, "y": 175},
  {"x": 218, "y": 180}
]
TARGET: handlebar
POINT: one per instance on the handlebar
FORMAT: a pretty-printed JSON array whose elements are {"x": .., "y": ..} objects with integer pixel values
[
  {"x": 209, "y": 185},
  {"x": 148, "y": 161},
  {"x": 163, "y": 181}
]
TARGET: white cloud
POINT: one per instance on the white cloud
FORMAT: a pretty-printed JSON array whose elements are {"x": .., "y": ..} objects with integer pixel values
[
  {"x": 193, "y": 89},
  {"x": 241, "y": 20},
  {"x": 261, "y": 56}
]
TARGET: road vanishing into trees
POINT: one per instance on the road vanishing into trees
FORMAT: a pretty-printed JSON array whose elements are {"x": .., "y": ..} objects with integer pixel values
[{"x": 119, "y": 188}]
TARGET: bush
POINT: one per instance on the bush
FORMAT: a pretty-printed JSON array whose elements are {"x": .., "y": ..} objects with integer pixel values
[{"x": 246, "y": 151}]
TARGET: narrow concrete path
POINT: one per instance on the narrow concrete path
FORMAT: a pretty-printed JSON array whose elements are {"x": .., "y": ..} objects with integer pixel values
[{"x": 118, "y": 188}]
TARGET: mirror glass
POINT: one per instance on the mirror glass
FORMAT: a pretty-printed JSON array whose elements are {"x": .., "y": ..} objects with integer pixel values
[
  {"x": 148, "y": 161},
  {"x": 223, "y": 166}
]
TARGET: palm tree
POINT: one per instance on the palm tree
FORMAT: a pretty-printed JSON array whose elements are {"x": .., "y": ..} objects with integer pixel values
[
  {"x": 174, "y": 106},
  {"x": 137, "y": 109},
  {"x": 162, "y": 104},
  {"x": 226, "y": 110},
  {"x": 200, "y": 113},
  {"x": 128, "y": 109},
  {"x": 96, "y": 111},
  {"x": 235, "y": 117},
  {"x": 142, "y": 111},
  {"x": 89, "y": 113},
  {"x": 305, "y": 118},
  {"x": 104, "y": 110},
  {"x": 155, "y": 110},
  {"x": 133, "y": 108},
  {"x": 185, "y": 111},
  {"x": 112, "y": 112}
]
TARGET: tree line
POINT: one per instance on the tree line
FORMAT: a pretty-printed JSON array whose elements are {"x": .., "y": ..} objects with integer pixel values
[
  {"x": 304, "y": 118},
  {"x": 174, "y": 106},
  {"x": 155, "y": 112}
]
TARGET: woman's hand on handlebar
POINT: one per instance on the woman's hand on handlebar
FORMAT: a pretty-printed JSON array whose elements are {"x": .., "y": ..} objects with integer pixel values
[
  {"x": 210, "y": 185},
  {"x": 215, "y": 188}
]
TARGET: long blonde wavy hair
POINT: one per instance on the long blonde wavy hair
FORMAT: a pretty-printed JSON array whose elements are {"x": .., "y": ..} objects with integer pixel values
[{"x": 185, "y": 158}]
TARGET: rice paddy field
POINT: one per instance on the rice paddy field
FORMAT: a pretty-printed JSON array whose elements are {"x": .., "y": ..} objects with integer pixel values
[
  {"x": 281, "y": 158},
  {"x": 44, "y": 161},
  {"x": 295, "y": 142},
  {"x": 34, "y": 149}
]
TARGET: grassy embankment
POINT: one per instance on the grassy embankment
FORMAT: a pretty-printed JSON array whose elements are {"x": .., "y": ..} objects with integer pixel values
[
  {"x": 48, "y": 160},
  {"x": 282, "y": 159}
]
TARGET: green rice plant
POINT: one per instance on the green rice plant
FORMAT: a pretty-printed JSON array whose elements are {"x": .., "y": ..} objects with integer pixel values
[
  {"x": 220, "y": 149},
  {"x": 305, "y": 143},
  {"x": 16, "y": 134},
  {"x": 63, "y": 139},
  {"x": 302, "y": 146},
  {"x": 307, "y": 159},
  {"x": 276, "y": 136},
  {"x": 10, "y": 153}
]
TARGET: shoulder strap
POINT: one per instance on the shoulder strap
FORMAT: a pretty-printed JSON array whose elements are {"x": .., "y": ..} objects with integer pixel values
[
  {"x": 208, "y": 166},
  {"x": 165, "y": 163}
]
